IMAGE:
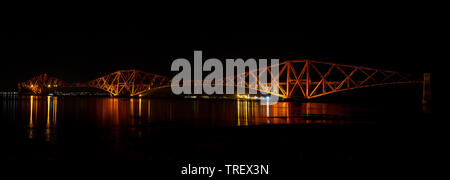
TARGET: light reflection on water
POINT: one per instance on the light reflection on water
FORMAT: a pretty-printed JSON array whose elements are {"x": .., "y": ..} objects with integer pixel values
[
  {"x": 47, "y": 127},
  {"x": 42, "y": 114},
  {"x": 128, "y": 111}
]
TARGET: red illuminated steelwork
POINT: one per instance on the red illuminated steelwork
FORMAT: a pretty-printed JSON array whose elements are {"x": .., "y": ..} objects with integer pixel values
[
  {"x": 311, "y": 79},
  {"x": 296, "y": 79},
  {"x": 129, "y": 82},
  {"x": 123, "y": 82}
]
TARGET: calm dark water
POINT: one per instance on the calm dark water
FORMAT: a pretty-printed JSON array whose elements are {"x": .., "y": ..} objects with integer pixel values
[
  {"x": 46, "y": 112},
  {"x": 74, "y": 128}
]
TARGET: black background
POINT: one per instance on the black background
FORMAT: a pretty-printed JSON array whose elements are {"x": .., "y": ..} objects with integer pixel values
[
  {"x": 81, "y": 51},
  {"x": 400, "y": 38}
]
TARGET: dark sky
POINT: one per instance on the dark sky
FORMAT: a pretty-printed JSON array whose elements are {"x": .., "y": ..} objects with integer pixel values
[{"x": 83, "y": 52}]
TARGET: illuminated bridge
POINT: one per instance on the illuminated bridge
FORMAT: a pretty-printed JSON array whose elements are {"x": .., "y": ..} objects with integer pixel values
[
  {"x": 123, "y": 82},
  {"x": 297, "y": 79}
]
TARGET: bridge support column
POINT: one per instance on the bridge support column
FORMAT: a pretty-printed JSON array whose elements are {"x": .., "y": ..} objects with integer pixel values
[
  {"x": 426, "y": 88},
  {"x": 308, "y": 79}
]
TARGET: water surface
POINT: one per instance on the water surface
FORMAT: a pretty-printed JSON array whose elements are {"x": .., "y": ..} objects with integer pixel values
[{"x": 50, "y": 127}]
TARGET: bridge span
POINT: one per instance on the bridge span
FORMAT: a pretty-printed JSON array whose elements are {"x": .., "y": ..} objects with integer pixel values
[{"x": 297, "y": 79}]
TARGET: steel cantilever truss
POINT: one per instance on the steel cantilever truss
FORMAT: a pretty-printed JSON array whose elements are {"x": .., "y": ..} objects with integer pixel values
[
  {"x": 41, "y": 84},
  {"x": 311, "y": 79},
  {"x": 295, "y": 79},
  {"x": 123, "y": 82},
  {"x": 129, "y": 82}
]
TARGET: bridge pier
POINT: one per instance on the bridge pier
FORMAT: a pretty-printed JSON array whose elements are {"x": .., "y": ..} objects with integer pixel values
[{"x": 426, "y": 88}]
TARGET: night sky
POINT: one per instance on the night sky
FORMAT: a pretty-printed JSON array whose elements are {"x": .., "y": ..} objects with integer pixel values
[{"x": 84, "y": 52}]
